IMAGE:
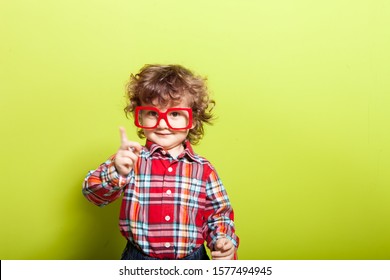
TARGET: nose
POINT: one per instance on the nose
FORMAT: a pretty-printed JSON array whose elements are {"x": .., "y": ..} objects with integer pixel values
[{"x": 162, "y": 124}]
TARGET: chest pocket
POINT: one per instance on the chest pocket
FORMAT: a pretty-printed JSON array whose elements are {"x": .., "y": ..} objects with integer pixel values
[{"x": 191, "y": 193}]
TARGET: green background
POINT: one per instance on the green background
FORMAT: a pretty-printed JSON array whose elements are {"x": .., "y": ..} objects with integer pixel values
[{"x": 302, "y": 139}]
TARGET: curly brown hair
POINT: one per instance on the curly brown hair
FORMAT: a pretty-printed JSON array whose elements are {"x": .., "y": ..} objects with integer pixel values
[{"x": 164, "y": 85}]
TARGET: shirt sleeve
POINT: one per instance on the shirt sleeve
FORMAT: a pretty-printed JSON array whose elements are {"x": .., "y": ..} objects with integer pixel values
[
  {"x": 220, "y": 221},
  {"x": 104, "y": 185}
]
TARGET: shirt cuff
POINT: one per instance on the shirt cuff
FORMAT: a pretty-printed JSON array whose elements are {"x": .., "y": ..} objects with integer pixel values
[
  {"x": 234, "y": 239},
  {"x": 117, "y": 180}
]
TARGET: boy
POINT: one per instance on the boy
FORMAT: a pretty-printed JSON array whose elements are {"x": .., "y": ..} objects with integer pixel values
[{"x": 173, "y": 200}]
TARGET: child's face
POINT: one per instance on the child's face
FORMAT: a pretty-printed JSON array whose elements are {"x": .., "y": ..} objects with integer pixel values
[{"x": 170, "y": 139}]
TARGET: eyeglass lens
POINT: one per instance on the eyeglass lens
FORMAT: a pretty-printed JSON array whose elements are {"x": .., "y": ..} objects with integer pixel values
[{"x": 177, "y": 119}]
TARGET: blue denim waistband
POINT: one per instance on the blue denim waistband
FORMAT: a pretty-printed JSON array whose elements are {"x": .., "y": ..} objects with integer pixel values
[{"x": 131, "y": 252}]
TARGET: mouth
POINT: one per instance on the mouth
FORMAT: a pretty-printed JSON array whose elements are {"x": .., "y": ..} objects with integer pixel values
[{"x": 163, "y": 134}]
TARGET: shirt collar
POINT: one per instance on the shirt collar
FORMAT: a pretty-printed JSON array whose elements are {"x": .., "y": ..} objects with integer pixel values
[{"x": 188, "y": 151}]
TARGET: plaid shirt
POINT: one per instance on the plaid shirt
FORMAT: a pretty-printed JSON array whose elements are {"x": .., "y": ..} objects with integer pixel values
[{"x": 169, "y": 206}]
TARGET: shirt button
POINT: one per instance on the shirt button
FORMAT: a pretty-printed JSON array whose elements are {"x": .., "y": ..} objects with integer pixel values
[
  {"x": 170, "y": 169},
  {"x": 169, "y": 192},
  {"x": 167, "y": 218},
  {"x": 167, "y": 245}
]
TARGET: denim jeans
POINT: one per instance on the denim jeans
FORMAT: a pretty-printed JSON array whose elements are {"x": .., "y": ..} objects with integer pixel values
[{"x": 132, "y": 253}]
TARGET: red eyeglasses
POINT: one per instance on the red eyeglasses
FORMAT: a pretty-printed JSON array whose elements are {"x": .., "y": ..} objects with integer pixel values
[{"x": 149, "y": 117}]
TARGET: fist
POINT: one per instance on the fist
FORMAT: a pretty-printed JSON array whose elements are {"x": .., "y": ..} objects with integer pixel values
[
  {"x": 223, "y": 250},
  {"x": 127, "y": 154}
]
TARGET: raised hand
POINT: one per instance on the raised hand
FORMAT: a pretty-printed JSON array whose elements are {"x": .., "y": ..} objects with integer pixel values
[{"x": 127, "y": 154}]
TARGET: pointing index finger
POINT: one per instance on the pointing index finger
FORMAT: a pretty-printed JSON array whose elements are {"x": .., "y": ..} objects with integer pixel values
[
  {"x": 123, "y": 135},
  {"x": 135, "y": 147}
]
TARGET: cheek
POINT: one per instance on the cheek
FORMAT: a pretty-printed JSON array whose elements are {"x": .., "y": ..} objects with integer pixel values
[
  {"x": 182, "y": 135},
  {"x": 147, "y": 132}
]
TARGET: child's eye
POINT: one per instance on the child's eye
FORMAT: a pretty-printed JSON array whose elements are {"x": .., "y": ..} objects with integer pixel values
[
  {"x": 152, "y": 114},
  {"x": 175, "y": 114}
]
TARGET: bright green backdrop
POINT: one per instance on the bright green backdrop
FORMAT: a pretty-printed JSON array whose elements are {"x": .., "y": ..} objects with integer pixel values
[{"x": 302, "y": 139}]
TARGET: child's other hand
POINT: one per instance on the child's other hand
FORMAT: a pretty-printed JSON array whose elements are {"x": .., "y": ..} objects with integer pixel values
[
  {"x": 127, "y": 155},
  {"x": 223, "y": 250}
]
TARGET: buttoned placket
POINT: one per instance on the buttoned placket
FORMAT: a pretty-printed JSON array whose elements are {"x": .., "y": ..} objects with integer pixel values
[{"x": 167, "y": 197}]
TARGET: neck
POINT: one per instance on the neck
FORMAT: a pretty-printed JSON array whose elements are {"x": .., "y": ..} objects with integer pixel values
[{"x": 176, "y": 151}]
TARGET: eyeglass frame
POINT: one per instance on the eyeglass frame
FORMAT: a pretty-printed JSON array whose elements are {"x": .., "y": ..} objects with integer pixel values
[{"x": 162, "y": 115}]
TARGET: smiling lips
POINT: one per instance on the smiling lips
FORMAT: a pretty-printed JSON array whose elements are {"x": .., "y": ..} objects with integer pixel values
[{"x": 162, "y": 134}]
